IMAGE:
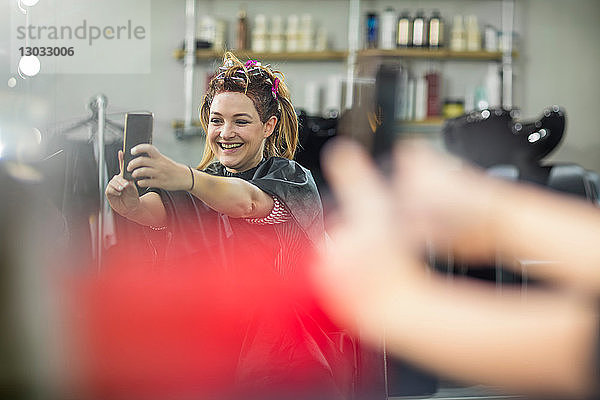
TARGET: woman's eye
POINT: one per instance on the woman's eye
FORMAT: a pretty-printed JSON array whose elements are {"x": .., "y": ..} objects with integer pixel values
[
  {"x": 242, "y": 122},
  {"x": 215, "y": 121}
]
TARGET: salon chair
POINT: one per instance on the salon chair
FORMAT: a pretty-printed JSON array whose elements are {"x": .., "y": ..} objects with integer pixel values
[
  {"x": 594, "y": 181},
  {"x": 507, "y": 148},
  {"x": 314, "y": 133},
  {"x": 494, "y": 140},
  {"x": 573, "y": 179}
]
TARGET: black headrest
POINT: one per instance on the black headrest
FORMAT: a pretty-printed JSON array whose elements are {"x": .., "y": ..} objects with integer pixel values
[{"x": 493, "y": 136}]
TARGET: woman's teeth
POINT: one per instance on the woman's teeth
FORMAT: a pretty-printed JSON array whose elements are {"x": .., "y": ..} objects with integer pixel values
[{"x": 230, "y": 145}]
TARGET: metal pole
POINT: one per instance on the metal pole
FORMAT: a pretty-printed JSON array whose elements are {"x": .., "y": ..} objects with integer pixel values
[
  {"x": 101, "y": 104},
  {"x": 353, "y": 43},
  {"x": 508, "y": 13},
  {"x": 189, "y": 61}
]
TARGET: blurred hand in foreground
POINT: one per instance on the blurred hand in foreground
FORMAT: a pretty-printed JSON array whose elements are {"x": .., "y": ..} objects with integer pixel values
[{"x": 372, "y": 277}]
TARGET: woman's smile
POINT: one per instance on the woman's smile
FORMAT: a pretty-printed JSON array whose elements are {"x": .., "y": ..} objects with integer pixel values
[{"x": 230, "y": 147}]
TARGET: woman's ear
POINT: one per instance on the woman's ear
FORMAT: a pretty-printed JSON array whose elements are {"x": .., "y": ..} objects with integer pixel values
[{"x": 269, "y": 126}]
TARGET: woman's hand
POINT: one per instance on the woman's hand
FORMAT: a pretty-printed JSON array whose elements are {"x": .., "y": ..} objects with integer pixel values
[
  {"x": 157, "y": 170},
  {"x": 122, "y": 194}
]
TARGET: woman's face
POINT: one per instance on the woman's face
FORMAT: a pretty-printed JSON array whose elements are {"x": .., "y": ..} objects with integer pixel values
[{"x": 236, "y": 134}]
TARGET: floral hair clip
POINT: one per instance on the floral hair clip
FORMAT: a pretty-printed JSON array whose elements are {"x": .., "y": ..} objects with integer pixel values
[
  {"x": 275, "y": 87},
  {"x": 252, "y": 63}
]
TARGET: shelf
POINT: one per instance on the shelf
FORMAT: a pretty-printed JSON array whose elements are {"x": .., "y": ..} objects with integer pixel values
[
  {"x": 428, "y": 126},
  {"x": 338, "y": 55},
  {"x": 432, "y": 121},
  {"x": 442, "y": 54},
  {"x": 209, "y": 54}
]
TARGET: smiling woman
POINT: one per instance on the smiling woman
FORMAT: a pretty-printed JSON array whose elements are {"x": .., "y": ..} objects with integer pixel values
[{"x": 249, "y": 208}]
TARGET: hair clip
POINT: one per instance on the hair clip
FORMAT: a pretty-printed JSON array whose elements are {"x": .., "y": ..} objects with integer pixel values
[
  {"x": 222, "y": 76},
  {"x": 275, "y": 87},
  {"x": 228, "y": 63},
  {"x": 252, "y": 63},
  {"x": 255, "y": 71}
]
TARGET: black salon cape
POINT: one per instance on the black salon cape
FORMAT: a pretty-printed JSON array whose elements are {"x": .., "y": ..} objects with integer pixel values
[{"x": 288, "y": 349}]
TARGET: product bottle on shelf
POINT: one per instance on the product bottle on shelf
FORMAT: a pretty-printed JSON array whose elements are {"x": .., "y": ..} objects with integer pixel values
[
  {"x": 493, "y": 85},
  {"x": 420, "y": 99},
  {"x": 473, "y": 34},
  {"x": 220, "y": 34},
  {"x": 387, "y": 33},
  {"x": 306, "y": 39},
  {"x": 453, "y": 108},
  {"x": 402, "y": 95},
  {"x": 433, "y": 94},
  {"x": 242, "y": 31},
  {"x": 276, "y": 42},
  {"x": 470, "y": 104},
  {"x": 420, "y": 27},
  {"x": 410, "y": 99},
  {"x": 321, "y": 39},
  {"x": 372, "y": 33},
  {"x": 404, "y": 31},
  {"x": 436, "y": 30},
  {"x": 312, "y": 98},
  {"x": 458, "y": 36},
  {"x": 259, "y": 34},
  {"x": 333, "y": 95},
  {"x": 292, "y": 34},
  {"x": 490, "y": 38},
  {"x": 481, "y": 98},
  {"x": 206, "y": 30}
]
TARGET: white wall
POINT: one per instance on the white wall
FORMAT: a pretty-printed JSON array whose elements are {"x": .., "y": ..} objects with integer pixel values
[
  {"x": 561, "y": 65},
  {"x": 558, "y": 64}
]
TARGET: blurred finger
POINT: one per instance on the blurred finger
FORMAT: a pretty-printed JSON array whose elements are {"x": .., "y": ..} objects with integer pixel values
[
  {"x": 143, "y": 172},
  {"x": 148, "y": 182},
  {"x": 115, "y": 182},
  {"x": 446, "y": 202},
  {"x": 122, "y": 181},
  {"x": 139, "y": 162},
  {"x": 116, "y": 185},
  {"x": 149, "y": 149},
  {"x": 112, "y": 189},
  {"x": 357, "y": 184}
]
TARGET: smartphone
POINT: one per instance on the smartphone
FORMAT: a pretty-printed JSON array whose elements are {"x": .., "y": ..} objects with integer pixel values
[
  {"x": 386, "y": 102},
  {"x": 371, "y": 121},
  {"x": 138, "y": 130}
]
